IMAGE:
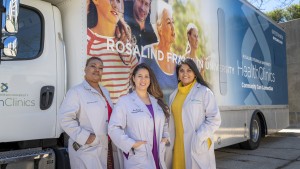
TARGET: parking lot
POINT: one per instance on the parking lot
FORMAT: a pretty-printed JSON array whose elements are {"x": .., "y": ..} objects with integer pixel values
[{"x": 277, "y": 151}]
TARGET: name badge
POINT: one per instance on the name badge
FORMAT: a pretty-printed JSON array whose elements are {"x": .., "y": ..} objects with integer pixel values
[
  {"x": 136, "y": 111},
  {"x": 90, "y": 102},
  {"x": 195, "y": 101}
]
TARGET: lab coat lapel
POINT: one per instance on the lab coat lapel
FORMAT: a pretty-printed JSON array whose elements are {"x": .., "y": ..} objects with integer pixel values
[
  {"x": 154, "y": 103},
  {"x": 155, "y": 107},
  {"x": 138, "y": 102},
  {"x": 107, "y": 96},
  {"x": 173, "y": 95},
  {"x": 187, "y": 116},
  {"x": 157, "y": 118},
  {"x": 94, "y": 115},
  {"x": 191, "y": 93}
]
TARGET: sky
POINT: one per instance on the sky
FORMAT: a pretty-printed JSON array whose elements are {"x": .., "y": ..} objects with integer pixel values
[{"x": 270, "y": 5}]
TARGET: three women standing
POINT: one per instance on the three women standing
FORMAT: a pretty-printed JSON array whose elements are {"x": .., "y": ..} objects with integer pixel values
[
  {"x": 139, "y": 122},
  {"x": 194, "y": 119},
  {"x": 138, "y": 125}
]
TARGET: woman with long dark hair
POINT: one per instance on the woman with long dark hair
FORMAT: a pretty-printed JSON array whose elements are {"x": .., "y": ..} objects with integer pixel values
[
  {"x": 194, "y": 119},
  {"x": 138, "y": 125}
]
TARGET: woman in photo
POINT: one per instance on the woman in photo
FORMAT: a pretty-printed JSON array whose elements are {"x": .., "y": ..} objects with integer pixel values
[
  {"x": 138, "y": 125},
  {"x": 104, "y": 17},
  {"x": 159, "y": 55},
  {"x": 192, "y": 48}
]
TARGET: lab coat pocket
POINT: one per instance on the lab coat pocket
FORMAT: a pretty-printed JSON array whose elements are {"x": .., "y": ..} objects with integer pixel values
[
  {"x": 162, "y": 147},
  {"x": 162, "y": 155},
  {"x": 136, "y": 159},
  {"x": 162, "y": 152},
  {"x": 92, "y": 156},
  {"x": 199, "y": 145},
  {"x": 91, "y": 150},
  {"x": 140, "y": 150},
  {"x": 92, "y": 105},
  {"x": 100, "y": 141},
  {"x": 196, "y": 104},
  {"x": 196, "y": 109},
  {"x": 95, "y": 142}
]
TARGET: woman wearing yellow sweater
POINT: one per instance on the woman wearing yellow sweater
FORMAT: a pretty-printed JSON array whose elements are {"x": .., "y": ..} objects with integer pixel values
[{"x": 194, "y": 119}]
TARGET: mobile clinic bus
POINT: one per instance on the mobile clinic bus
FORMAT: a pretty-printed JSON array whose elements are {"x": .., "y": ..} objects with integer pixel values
[{"x": 239, "y": 51}]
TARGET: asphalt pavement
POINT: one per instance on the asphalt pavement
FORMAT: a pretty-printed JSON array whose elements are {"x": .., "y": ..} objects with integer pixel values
[{"x": 277, "y": 151}]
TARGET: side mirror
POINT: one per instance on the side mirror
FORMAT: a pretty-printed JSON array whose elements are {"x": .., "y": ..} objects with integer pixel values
[
  {"x": 10, "y": 16},
  {"x": 10, "y": 48},
  {"x": 9, "y": 21}
]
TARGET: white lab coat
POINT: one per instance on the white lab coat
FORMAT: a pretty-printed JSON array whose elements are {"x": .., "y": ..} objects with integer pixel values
[
  {"x": 82, "y": 112},
  {"x": 131, "y": 121},
  {"x": 201, "y": 118}
]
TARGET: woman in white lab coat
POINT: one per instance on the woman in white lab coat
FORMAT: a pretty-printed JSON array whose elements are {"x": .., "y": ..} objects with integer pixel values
[
  {"x": 138, "y": 125},
  {"x": 194, "y": 119},
  {"x": 84, "y": 116}
]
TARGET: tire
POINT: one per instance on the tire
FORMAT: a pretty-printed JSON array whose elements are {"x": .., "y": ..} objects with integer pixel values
[{"x": 255, "y": 134}]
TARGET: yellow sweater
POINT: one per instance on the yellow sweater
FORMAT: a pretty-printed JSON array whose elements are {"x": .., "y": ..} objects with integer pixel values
[{"x": 176, "y": 107}]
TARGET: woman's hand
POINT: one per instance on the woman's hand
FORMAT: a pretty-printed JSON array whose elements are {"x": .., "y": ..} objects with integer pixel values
[
  {"x": 138, "y": 143},
  {"x": 209, "y": 142},
  {"x": 165, "y": 140},
  {"x": 91, "y": 138},
  {"x": 123, "y": 31}
]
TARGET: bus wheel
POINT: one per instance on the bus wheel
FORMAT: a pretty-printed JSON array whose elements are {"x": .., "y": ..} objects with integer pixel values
[{"x": 255, "y": 135}]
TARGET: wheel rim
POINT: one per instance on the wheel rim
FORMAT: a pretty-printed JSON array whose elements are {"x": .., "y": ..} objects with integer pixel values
[{"x": 255, "y": 131}]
